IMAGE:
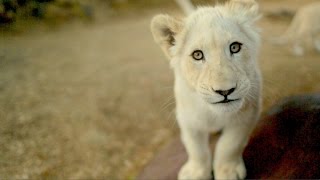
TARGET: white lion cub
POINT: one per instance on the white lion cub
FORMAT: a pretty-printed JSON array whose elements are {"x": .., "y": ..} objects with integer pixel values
[
  {"x": 304, "y": 27},
  {"x": 217, "y": 83}
]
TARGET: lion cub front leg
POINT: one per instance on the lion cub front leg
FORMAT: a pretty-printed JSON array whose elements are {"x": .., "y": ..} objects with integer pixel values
[
  {"x": 228, "y": 162},
  {"x": 199, "y": 164}
]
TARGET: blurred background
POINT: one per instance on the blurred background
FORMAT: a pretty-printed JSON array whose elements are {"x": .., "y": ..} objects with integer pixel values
[{"x": 86, "y": 93}]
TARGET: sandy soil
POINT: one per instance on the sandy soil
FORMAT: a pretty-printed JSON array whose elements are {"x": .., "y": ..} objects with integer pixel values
[{"x": 97, "y": 102}]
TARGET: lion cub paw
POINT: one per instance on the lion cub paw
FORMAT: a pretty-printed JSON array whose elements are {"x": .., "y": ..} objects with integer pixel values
[
  {"x": 230, "y": 170},
  {"x": 195, "y": 171}
]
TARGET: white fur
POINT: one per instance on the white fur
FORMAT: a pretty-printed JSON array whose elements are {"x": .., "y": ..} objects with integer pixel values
[
  {"x": 212, "y": 30},
  {"x": 186, "y": 6},
  {"x": 304, "y": 27}
]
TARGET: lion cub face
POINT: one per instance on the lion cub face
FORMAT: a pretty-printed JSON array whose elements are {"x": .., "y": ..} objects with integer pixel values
[{"x": 213, "y": 50}]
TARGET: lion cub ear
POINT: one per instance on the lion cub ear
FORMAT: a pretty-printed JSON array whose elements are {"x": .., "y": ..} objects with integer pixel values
[
  {"x": 247, "y": 11},
  {"x": 165, "y": 29}
]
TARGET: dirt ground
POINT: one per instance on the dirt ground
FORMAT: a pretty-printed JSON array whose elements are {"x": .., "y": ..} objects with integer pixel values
[{"x": 96, "y": 101}]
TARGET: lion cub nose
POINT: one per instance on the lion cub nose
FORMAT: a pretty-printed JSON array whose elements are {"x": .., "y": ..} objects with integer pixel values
[{"x": 225, "y": 92}]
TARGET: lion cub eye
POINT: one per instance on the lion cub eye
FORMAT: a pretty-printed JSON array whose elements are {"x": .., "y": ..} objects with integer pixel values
[
  {"x": 198, "y": 55},
  {"x": 235, "y": 47}
]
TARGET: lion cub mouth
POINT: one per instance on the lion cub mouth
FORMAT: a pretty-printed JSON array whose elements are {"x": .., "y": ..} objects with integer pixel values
[{"x": 226, "y": 101}]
